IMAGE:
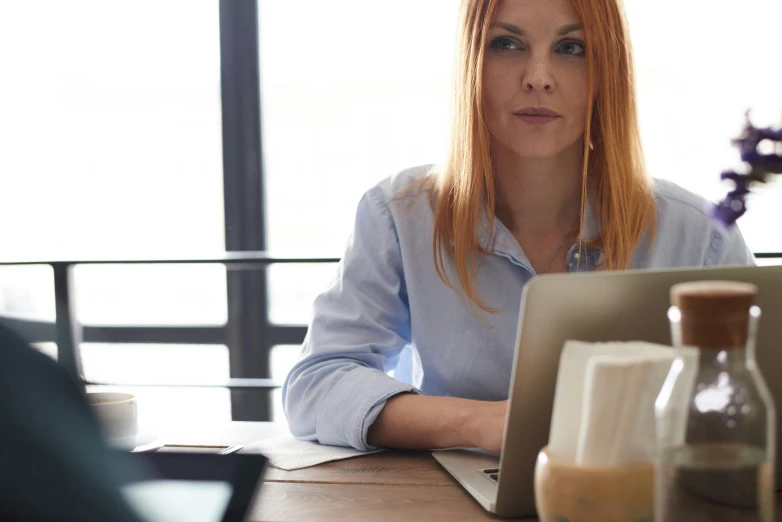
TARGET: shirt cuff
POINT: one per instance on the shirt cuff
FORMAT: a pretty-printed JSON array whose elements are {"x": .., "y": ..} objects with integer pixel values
[{"x": 353, "y": 405}]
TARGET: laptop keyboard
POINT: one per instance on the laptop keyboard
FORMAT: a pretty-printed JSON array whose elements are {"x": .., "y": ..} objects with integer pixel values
[{"x": 492, "y": 474}]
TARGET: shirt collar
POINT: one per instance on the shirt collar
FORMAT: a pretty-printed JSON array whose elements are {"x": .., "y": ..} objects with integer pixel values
[{"x": 503, "y": 243}]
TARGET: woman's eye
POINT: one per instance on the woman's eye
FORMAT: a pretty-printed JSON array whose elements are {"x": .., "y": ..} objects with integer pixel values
[
  {"x": 504, "y": 44},
  {"x": 572, "y": 48}
]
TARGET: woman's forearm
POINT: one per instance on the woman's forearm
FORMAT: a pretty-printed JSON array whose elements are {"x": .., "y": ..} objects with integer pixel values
[{"x": 424, "y": 422}]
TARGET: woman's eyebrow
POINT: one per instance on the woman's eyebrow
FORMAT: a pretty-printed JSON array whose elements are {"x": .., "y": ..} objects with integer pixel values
[
  {"x": 508, "y": 27},
  {"x": 570, "y": 28}
]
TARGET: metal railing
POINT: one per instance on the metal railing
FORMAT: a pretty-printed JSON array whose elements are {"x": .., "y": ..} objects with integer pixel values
[{"x": 68, "y": 333}]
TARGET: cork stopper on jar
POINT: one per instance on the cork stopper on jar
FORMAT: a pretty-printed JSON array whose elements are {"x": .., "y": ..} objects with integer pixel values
[{"x": 714, "y": 314}]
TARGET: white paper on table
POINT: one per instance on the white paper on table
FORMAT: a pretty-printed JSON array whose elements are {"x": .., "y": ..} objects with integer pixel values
[{"x": 289, "y": 453}]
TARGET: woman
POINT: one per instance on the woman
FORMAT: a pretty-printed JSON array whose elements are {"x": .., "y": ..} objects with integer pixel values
[{"x": 545, "y": 174}]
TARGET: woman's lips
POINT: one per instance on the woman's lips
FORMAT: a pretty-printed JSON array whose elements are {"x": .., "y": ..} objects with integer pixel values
[
  {"x": 537, "y": 119},
  {"x": 537, "y": 115}
]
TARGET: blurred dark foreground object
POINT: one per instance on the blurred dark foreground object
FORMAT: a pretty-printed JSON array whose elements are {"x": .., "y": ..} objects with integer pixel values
[
  {"x": 54, "y": 465},
  {"x": 194, "y": 487}
]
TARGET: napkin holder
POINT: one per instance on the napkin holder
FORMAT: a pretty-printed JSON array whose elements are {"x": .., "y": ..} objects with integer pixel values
[{"x": 565, "y": 491}]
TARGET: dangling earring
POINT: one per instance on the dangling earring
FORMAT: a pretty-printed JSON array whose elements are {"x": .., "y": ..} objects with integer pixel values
[{"x": 591, "y": 145}]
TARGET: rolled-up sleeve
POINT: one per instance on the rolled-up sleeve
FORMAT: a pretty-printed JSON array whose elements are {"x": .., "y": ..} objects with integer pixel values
[{"x": 359, "y": 327}]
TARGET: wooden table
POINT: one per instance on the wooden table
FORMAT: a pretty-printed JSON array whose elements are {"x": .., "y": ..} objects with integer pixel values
[{"x": 394, "y": 485}]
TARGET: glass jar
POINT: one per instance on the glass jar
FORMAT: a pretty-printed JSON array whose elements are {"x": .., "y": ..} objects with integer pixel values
[{"x": 715, "y": 417}]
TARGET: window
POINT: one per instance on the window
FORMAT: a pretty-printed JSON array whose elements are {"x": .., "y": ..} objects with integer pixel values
[
  {"x": 346, "y": 101},
  {"x": 701, "y": 65},
  {"x": 154, "y": 363},
  {"x": 110, "y": 142},
  {"x": 151, "y": 294},
  {"x": 111, "y": 130},
  {"x": 27, "y": 292}
]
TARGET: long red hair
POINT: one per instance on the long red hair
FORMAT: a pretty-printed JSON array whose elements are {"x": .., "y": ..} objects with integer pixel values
[{"x": 613, "y": 171}]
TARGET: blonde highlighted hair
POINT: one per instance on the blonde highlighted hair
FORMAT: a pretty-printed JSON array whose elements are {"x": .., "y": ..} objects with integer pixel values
[{"x": 613, "y": 172}]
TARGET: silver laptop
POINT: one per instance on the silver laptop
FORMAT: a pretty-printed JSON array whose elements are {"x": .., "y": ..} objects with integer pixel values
[{"x": 600, "y": 306}]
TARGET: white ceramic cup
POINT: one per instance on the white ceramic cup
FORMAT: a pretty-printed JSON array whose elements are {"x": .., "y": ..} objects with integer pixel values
[{"x": 118, "y": 416}]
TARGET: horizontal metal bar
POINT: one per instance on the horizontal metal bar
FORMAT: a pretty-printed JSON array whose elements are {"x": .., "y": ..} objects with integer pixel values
[
  {"x": 278, "y": 334},
  {"x": 243, "y": 259},
  {"x": 155, "y": 334},
  {"x": 233, "y": 384},
  {"x": 30, "y": 330},
  {"x": 768, "y": 255},
  {"x": 41, "y": 332},
  {"x": 288, "y": 334}
]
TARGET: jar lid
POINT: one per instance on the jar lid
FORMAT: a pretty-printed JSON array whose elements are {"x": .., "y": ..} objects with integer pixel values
[{"x": 714, "y": 314}]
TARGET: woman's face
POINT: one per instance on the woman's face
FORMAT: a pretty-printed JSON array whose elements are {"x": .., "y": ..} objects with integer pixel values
[{"x": 535, "y": 78}]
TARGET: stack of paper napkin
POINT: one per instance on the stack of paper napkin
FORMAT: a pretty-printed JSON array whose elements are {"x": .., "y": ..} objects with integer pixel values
[{"x": 604, "y": 401}]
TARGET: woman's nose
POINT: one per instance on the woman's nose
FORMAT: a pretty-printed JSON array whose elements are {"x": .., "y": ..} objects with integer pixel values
[{"x": 537, "y": 76}]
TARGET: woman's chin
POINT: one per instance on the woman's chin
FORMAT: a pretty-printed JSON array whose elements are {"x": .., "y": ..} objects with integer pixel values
[
  {"x": 541, "y": 149},
  {"x": 539, "y": 152}
]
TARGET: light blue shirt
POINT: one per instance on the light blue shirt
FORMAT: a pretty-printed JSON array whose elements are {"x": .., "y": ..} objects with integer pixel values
[{"x": 388, "y": 311}]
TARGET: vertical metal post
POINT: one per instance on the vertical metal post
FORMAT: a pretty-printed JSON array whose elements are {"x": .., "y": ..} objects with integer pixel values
[
  {"x": 248, "y": 323},
  {"x": 69, "y": 332}
]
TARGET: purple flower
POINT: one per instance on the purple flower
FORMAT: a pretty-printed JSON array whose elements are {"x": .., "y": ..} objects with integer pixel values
[
  {"x": 759, "y": 167},
  {"x": 771, "y": 163},
  {"x": 741, "y": 181},
  {"x": 729, "y": 210}
]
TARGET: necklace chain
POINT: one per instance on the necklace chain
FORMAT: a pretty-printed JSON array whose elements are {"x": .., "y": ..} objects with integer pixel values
[{"x": 554, "y": 256}]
